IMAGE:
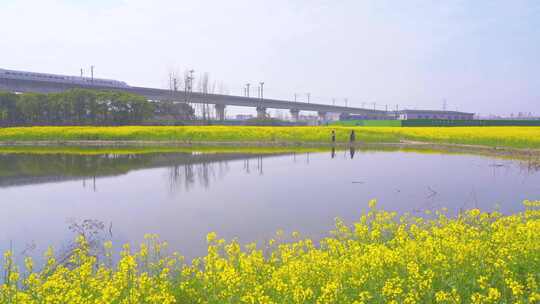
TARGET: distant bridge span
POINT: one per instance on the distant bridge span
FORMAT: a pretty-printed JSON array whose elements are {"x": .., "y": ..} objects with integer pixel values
[{"x": 220, "y": 101}]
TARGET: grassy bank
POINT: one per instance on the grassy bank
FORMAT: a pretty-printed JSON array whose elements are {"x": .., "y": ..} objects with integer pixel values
[
  {"x": 472, "y": 258},
  {"x": 512, "y": 137},
  {"x": 525, "y": 156},
  {"x": 155, "y": 149}
]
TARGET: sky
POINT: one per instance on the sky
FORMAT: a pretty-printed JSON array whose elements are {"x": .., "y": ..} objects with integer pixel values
[{"x": 480, "y": 56}]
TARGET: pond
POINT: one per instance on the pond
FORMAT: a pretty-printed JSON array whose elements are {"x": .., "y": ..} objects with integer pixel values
[{"x": 182, "y": 196}]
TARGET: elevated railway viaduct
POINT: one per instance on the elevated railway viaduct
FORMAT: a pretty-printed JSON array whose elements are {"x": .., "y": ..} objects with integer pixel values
[{"x": 220, "y": 101}]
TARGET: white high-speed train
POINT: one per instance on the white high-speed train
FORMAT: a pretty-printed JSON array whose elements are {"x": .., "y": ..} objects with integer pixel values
[{"x": 86, "y": 81}]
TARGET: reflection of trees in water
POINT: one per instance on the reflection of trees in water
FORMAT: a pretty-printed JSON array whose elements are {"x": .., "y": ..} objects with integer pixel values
[
  {"x": 530, "y": 166},
  {"x": 258, "y": 166},
  {"x": 23, "y": 169},
  {"x": 93, "y": 185},
  {"x": 188, "y": 175},
  {"x": 254, "y": 164},
  {"x": 20, "y": 169},
  {"x": 525, "y": 168}
]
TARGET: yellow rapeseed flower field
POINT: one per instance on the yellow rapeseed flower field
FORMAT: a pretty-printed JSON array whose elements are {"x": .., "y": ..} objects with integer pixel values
[
  {"x": 475, "y": 257},
  {"x": 515, "y": 137},
  {"x": 190, "y": 134}
]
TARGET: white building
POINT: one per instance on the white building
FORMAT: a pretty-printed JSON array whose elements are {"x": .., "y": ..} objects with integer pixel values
[
  {"x": 244, "y": 117},
  {"x": 427, "y": 114}
]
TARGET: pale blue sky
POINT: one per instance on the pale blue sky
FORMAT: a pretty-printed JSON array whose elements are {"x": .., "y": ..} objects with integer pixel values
[{"x": 482, "y": 56}]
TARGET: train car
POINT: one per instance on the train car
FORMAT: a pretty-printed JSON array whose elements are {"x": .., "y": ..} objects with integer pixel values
[{"x": 77, "y": 80}]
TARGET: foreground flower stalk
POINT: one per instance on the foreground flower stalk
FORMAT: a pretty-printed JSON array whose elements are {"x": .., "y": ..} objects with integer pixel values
[{"x": 474, "y": 257}]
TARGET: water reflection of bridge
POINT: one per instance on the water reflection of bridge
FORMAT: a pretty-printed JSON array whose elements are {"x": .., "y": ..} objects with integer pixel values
[{"x": 29, "y": 169}]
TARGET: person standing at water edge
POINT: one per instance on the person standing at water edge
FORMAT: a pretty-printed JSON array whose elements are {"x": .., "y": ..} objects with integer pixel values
[
  {"x": 333, "y": 136},
  {"x": 352, "y": 137}
]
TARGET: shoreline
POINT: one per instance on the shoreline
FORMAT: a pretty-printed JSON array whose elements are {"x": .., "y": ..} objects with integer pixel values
[{"x": 402, "y": 145}]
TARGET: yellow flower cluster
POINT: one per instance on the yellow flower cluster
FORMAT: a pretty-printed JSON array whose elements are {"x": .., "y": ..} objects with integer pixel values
[
  {"x": 514, "y": 137},
  {"x": 474, "y": 257}
]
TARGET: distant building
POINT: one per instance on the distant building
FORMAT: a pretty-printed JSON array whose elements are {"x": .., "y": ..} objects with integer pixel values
[
  {"x": 379, "y": 116},
  {"x": 427, "y": 114},
  {"x": 332, "y": 116},
  {"x": 244, "y": 117},
  {"x": 308, "y": 117}
]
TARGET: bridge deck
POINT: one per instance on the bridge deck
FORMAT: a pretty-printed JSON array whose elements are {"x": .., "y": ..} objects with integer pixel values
[{"x": 194, "y": 97}]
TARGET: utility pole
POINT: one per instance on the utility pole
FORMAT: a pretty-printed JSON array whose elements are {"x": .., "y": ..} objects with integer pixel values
[
  {"x": 82, "y": 74},
  {"x": 294, "y": 97},
  {"x": 191, "y": 79},
  {"x": 444, "y": 105},
  {"x": 189, "y": 84},
  {"x": 346, "y": 102},
  {"x": 175, "y": 84},
  {"x": 92, "y": 72},
  {"x": 374, "y": 106},
  {"x": 386, "y": 108},
  {"x": 262, "y": 89},
  {"x": 308, "y": 97},
  {"x": 186, "y": 87},
  {"x": 247, "y": 89}
]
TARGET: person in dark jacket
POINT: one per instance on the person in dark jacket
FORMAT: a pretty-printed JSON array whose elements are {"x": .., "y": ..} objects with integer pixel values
[
  {"x": 333, "y": 136},
  {"x": 352, "y": 137}
]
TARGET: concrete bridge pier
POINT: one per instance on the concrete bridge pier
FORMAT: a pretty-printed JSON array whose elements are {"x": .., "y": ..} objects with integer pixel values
[
  {"x": 220, "y": 111},
  {"x": 295, "y": 114},
  {"x": 322, "y": 116},
  {"x": 261, "y": 113}
]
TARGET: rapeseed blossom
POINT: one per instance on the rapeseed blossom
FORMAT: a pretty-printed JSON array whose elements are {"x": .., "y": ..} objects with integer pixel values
[
  {"x": 512, "y": 137},
  {"x": 474, "y": 257}
]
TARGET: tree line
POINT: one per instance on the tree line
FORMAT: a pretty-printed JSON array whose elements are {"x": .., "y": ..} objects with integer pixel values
[{"x": 74, "y": 107}]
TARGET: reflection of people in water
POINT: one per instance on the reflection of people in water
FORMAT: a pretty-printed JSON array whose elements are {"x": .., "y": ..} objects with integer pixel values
[
  {"x": 351, "y": 151},
  {"x": 333, "y": 136},
  {"x": 333, "y": 153}
]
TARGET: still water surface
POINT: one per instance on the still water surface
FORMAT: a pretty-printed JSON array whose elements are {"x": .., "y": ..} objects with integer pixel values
[{"x": 183, "y": 196}]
